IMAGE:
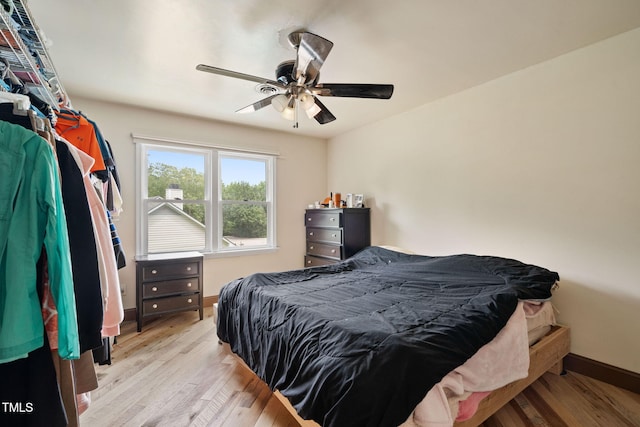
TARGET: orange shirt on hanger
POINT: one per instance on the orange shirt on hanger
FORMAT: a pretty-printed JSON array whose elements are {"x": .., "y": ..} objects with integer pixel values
[{"x": 81, "y": 134}]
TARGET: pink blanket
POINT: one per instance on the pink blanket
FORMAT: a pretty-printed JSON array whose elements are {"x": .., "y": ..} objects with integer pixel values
[{"x": 503, "y": 360}]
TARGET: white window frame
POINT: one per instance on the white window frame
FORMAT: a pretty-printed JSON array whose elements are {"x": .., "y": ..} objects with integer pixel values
[
  {"x": 213, "y": 199},
  {"x": 269, "y": 202}
]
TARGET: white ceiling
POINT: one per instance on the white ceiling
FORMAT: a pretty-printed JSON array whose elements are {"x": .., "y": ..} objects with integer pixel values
[{"x": 144, "y": 52}]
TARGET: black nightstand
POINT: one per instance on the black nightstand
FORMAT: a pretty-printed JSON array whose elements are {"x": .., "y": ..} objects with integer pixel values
[{"x": 168, "y": 283}]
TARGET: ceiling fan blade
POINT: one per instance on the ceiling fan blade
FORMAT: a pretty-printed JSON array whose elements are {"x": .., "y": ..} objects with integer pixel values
[
  {"x": 324, "y": 116},
  {"x": 257, "y": 105},
  {"x": 312, "y": 52},
  {"x": 353, "y": 90},
  {"x": 235, "y": 74}
]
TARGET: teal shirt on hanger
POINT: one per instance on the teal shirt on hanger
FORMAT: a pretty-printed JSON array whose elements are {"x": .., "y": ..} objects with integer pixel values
[{"x": 32, "y": 216}]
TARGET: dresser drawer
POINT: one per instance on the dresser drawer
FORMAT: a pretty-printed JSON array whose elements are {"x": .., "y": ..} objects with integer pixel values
[
  {"x": 169, "y": 304},
  {"x": 168, "y": 283},
  {"x": 170, "y": 287},
  {"x": 322, "y": 249},
  {"x": 324, "y": 235},
  {"x": 312, "y": 261},
  {"x": 335, "y": 234},
  {"x": 323, "y": 219},
  {"x": 159, "y": 271}
]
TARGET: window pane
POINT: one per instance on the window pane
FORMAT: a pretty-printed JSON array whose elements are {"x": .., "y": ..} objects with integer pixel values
[
  {"x": 244, "y": 225},
  {"x": 175, "y": 175},
  {"x": 170, "y": 228},
  {"x": 179, "y": 213},
  {"x": 243, "y": 179}
]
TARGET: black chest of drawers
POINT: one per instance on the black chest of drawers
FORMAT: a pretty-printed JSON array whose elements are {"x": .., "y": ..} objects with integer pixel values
[
  {"x": 335, "y": 234},
  {"x": 168, "y": 284}
]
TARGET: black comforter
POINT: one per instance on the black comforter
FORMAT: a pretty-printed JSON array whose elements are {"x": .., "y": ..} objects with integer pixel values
[{"x": 360, "y": 343}]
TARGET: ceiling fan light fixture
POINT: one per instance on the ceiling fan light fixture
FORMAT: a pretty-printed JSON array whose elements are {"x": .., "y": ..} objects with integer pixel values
[
  {"x": 309, "y": 106},
  {"x": 312, "y": 111},
  {"x": 289, "y": 113},
  {"x": 297, "y": 82},
  {"x": 280, "y": 102},
  {"x": 307, "y": 101}
]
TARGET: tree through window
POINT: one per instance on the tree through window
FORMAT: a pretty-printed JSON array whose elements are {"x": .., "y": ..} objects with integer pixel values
[{"x": 180, "y": 187}]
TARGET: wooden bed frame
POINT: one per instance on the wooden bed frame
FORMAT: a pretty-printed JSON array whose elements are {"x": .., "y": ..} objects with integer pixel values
[{"x": 545, "y": 356}]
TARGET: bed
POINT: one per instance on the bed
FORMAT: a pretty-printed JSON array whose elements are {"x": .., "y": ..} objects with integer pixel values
[{"x": 362, "y": 342}]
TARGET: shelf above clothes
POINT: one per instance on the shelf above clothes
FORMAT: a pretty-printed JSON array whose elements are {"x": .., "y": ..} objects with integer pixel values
[{"x": 23, "y": 49}]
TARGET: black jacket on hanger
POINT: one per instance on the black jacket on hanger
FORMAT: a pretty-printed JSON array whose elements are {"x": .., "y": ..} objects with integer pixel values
[{"x": 84, "y": 256}]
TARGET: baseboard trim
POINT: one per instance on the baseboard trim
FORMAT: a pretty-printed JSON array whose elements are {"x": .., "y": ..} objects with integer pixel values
[
  {"x": 130, "y": 314},
  {"x": 618, "y": 377},
  {"x": 210, "y": 300}
]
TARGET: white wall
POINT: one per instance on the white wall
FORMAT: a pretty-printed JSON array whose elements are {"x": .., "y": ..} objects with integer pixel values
[
  {"x": 301, "y": 179},
  {"x": 541, "y": 165}
]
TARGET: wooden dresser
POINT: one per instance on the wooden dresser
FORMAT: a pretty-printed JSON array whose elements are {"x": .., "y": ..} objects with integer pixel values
[
  {"x": 335, "y": 234},
  {"x": 168, "y": 283}
]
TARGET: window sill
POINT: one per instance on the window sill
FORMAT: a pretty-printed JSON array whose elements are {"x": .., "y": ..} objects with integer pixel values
[{"x": 240, "y": 252}]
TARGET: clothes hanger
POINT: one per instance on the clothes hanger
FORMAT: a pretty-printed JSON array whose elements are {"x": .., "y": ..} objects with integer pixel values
[{"x": 21, "y": 103}]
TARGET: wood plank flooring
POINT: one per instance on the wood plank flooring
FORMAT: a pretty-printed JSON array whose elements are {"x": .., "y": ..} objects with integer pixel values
[{"x": 174, "y": 373}]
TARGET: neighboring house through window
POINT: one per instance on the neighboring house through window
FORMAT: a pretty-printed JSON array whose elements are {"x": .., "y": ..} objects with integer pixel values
[{"x": 198, "y": 198}]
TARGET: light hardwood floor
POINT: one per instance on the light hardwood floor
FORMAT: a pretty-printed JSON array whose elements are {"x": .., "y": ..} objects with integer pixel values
[{"x": 174, "y": 373}]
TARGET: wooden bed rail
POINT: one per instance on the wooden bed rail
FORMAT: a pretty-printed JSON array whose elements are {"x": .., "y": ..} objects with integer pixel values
[{"x": 545, "y": 355}]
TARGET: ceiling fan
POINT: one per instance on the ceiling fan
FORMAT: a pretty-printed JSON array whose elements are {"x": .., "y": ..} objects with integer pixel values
[{"x": 296, "y": 84}]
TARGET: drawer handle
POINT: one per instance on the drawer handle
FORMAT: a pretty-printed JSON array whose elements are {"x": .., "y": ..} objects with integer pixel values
[
  {"x": 188, "y": 268},
  {"x": 308, "y": 219},
  {"x": 334, "y": 235},
  {"x": 333, "y": 251},
  {"x": 155, "y": 306},
  {"x": 311, "y": 233},
  {"x": 154, "y": 271},
  {"x": 189, "y": 285},
  {"x": 309, "y": 262},
  {"x": 189, "y": 300},
  {"x": 154, "y": 289},
  {"x": 332, "y": 219},
  {"x": 310, "y": 247}
]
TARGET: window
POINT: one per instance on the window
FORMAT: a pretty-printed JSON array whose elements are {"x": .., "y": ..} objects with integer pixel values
[
  {"x": 202, "y": 199},
  {"x": 244, "y": 201}
]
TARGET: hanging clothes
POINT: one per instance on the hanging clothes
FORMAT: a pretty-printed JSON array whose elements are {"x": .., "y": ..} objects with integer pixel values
[
  {"x": 79, "y": 132},
  {"x": 114, "y": 203},
  {"x": 31, "y": 383},
  {"x": 102, "y": 143},
  {"x": 84, "y": 134},
  {"x": 113, "y": 311},
  {"x": 112, "y": 299},
  {"x": 117, "y": 245},
  {"x": 42, "y": 384},
  {"x": 32, "y": 215},
  {"x": 65, "y": 371},
  {"x": 52, "y": 296},
  {"x": 84, "y": 255},
  {"x": 103, "y": 192}
]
